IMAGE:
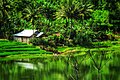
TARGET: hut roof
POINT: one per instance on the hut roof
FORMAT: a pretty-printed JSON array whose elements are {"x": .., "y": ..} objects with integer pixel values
[
  {"x": 25, "y": 33},
  {"x": 41, "y": 33}
]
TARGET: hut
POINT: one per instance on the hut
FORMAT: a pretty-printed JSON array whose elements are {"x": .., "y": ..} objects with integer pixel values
[{"x": 26, "y": 35}]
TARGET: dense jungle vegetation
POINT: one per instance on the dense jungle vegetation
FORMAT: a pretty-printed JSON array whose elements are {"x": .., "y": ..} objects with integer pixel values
[
  {"x": 85, "y": 34},
  {"x": 64, "y": 22}
]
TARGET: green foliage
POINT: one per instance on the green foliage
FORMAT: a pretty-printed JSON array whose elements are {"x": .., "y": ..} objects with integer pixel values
[
  {"x": 52, "y": 40},
  {"x": 100, "y": 19},
  {"x": 63, "y": 16},
  {"x": 82, "y": 36},
  {"x": 39, "y": 41},
  {"x": 13, "y": 48},
  {"x": 25, "y": 24},
  {"x": 100, "y": 16}
]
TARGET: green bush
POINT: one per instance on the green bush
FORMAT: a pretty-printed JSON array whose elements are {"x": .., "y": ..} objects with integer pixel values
[
  {"x": 100, "y": 20},
  {"x": 52, "y": 40},
  {"x": 83, "y": 37},
  {"x": 39, "y": 41}
]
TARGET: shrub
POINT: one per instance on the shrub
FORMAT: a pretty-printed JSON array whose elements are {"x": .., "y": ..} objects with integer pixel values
[
  {"x": 39, "y": 41},
  {"x": 59, "y": 40},
  {"x": 83, "y": 37},
  {"x": 100, "y": 20},
  {"x": 102, "y": 36},
  {"x": 52, "y": 40}
]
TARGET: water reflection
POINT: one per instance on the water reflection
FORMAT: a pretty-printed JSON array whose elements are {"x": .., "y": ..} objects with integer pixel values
[{"x": 92, "y": 66}]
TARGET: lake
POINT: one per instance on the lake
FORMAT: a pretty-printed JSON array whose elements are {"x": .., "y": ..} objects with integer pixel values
[{"x": 91, "y": 66}]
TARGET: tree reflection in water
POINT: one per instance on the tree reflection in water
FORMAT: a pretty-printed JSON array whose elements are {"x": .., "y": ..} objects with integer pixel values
[{"x": 92, "y": 66}]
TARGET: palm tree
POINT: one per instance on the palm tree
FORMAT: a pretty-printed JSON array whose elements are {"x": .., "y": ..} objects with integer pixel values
[
  {"x": 74, "y": 10},
  {"x": 31, "y": 13}
]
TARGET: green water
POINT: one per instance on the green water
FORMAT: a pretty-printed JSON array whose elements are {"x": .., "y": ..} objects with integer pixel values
[{"x": 92, "y": 66}]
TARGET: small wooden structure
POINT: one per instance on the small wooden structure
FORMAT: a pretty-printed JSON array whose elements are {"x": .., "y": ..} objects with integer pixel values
[{"x": 26, "y": 35}]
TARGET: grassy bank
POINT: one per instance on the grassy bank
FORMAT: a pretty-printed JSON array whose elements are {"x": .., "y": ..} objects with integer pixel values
[
  {"x": 10, "y": 50},
  {"x": 107, "y": 46},
  {"x": 14, "y": 48}
]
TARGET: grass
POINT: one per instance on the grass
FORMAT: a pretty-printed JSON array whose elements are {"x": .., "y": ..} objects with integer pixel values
[
  {"x": 8, "y": 48},
  {"x": 19, "y": 49},
  {"x": 106, "y": 46},
  {"x": 16, "y": 46},
  {"x": 25, "y": 56}
]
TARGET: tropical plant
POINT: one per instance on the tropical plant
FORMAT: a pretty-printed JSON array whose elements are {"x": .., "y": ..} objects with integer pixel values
[{"x": 101, "y": 20}]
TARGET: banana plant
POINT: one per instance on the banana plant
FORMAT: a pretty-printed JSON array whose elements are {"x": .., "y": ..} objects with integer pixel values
[{"x": 6, "y": 17}]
